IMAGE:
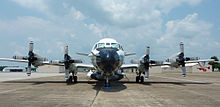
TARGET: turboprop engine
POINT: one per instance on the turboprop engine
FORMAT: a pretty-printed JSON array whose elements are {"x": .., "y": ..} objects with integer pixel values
[
  {"x": 33, "y": 59},
  {"x": 179, "y": 60}
]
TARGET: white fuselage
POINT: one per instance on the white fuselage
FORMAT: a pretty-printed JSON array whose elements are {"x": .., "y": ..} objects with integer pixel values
[{"x": 107, "y": 57}]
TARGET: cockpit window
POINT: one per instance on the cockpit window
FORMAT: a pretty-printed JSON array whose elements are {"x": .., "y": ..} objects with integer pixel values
[
  {"x": 95, "y": 46},
  {"x": 121, "y": 47},
  {"x": 101, "y": 45},
  {"x": 115, "y": 45},
  {"x": 112, "y": 45}
]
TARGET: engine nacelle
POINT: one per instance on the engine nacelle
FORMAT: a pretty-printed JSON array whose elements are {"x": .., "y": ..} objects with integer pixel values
[
  {"x": 191, "y": 58},
  {"x": 156, "y": 62},
  {"x": 39, "y": 60},
  {"x": 173, "y": 62},
  {"x": 55, "y": 61}
]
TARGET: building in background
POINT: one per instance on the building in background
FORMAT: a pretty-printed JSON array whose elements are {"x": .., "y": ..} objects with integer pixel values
[
  {"x": 14, "y": 69},
  {"x": 50, "y": 69}
]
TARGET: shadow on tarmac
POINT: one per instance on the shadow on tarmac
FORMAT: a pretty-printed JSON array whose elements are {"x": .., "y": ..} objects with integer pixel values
[
  {"x": 116, "y": 86},
  {"x": 163, "y": 82}
]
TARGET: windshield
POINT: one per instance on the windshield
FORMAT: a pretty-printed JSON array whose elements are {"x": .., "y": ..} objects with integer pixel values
[
  {"x": 115, "y": 45},
  {"x": 112, "y": 45},
  {"x": 101, "y": 45}
]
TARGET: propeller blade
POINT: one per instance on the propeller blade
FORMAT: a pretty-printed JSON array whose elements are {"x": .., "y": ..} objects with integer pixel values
[
  {"x": 147, "y": 62},
  {"x": 30, "y": 57},
  {"x": 66, "y": 74},
  {"x": 66, "y": 50},
  {"x": 146, "y": 73},
  {"x": 183, "y": 70},
  {"x": 181, "y": 47},
  {"x": 182, "y": 59},
  {"x": 29, "y": 69},
  {"x": 31, "y": 46},
  {"x": 148, "y": 50},
  {"x": 66, "y": 62}
]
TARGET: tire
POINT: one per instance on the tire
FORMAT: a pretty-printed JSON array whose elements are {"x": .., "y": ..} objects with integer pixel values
[
  {"x": 75, "y": 79},
  {"x": 70, "y": 79},
  {"x": 142, "y": 79},
  {"x": 137, "y": 79}
]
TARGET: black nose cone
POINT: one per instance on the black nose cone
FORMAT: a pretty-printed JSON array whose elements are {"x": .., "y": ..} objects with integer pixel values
[{"x": 109, "y": 59}]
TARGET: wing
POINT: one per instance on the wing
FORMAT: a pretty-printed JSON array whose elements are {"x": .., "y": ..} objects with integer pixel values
[
  {"x": 80, "y": 65},
  {"x": 83, "y": 54},
  {"x": 53, "y": 63},
  {"x": 129, "y": 66},
  {"x": 60, "y": 63},
  {"x": 197, "y": 61},
  {"x": 188, "y": 64},
  {"x": 13, "y": 60},
  {"x": 130, "y": 54}
]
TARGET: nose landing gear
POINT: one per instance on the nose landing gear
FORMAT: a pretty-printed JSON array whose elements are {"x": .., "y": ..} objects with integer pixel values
[{"x": 107, "y": 83}]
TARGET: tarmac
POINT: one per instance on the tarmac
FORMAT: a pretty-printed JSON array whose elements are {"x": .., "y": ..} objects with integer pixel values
[{"x": 161, "y": 89}]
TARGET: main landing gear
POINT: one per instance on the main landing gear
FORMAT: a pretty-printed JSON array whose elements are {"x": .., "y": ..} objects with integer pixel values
[
  {"x": 71, "y": 79},
  {"x": 139, "y": 79}
]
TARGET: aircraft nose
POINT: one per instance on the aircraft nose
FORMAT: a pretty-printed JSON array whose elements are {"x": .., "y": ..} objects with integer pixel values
[
  {"x": 109, "y": 59},
  {"x": 108, "y": 55}
]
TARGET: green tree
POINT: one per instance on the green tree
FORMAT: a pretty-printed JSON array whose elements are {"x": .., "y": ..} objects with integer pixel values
[
  {"x": 215, "y": 64},
  {"x": 2, "y": 67}
]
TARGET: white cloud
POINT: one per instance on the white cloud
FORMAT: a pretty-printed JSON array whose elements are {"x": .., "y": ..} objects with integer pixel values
[
  {"x": 72, "y": 35},
  {"x": 95, "y": 29},
  {"x": 188, "y": 28},
  {"x": 35, "y": 39},
  {"x": 167, "y": 5},
  {"x": 195, "y": 33},
  {"x": 77, "y": 15},
  {"x": 128, "y": 13},
  {"x": 60, "y": 45},
  {"x": 37, "y": 4},
  {"x": 133, "y": 23}
]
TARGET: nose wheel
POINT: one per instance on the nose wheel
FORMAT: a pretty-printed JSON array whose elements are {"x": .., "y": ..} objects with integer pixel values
[{"x": 107, "y": 83}]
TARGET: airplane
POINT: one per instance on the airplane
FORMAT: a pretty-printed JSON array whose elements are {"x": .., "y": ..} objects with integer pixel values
[
  {"x": 179, "y": 60},
  {"x": 107, "y": 57}
]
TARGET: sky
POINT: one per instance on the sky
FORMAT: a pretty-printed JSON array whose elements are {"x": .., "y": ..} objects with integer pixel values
[{"x": 135, "y": 24}]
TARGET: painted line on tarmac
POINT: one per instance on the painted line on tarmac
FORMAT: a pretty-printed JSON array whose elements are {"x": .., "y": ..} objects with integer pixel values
[{"x": 188, "y": 80}]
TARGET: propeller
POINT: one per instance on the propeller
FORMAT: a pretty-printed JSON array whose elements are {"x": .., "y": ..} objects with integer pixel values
[
  {"x": 147, "y": 62},
  {"x": 31, "y": 57},
  {"x": 181, "y": 59},
  {"x": 68, "y": 61}
]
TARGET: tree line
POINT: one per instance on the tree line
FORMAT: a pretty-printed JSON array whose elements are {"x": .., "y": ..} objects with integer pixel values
[{"x": 216, "y": 64}]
